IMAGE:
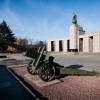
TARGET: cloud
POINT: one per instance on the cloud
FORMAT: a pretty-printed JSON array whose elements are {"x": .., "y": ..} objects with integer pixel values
[
  {"x": 89, "y": 22},
  {"x": 37, "y": 28},
  {"x": 10, "y": 17},
  {"x": 14, "y": 19},
  {"x": 45, "y": 20},
  {"x": 17, "y": 24}
]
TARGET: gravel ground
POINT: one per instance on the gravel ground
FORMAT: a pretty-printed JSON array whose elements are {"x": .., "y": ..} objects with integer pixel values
[{"x": 71, "y": 87}]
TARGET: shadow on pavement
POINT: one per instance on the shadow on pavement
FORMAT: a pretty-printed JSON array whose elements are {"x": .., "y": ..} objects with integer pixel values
[{"x": 74, "y": 66}]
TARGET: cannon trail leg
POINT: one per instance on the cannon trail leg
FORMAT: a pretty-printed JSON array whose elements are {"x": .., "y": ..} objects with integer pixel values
[{"x": 77, "y": 72}]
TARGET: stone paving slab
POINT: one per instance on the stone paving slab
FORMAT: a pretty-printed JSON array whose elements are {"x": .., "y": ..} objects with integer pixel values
[
  {"x": 18, "y": 56},
  {"x": 89, "y": 62},
  {"x": 14, "y": 62},
  {"x": 35, "y": 79}
]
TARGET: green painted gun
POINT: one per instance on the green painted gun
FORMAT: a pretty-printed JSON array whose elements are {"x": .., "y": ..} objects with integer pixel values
[{"x": 43, "y": 65}]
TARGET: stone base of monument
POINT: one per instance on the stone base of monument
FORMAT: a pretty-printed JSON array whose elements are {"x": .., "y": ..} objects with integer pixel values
[
  {"x": 89, "y": 53},
  {"x": 35, "y": 79}
]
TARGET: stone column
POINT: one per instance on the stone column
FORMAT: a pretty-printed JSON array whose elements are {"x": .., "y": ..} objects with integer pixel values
[
  {"x": 96, "y": 43},
  {"x": 48, "y": 45},
  {"x": 75, "y": 31},
  {"x": 56, "y": 45},
  {"x": 73, "y": 37},
  {"x": 65, "y": 45}
]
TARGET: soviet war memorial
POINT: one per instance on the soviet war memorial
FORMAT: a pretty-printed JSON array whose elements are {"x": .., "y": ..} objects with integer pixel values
[
  {"x": 77, "y": 42},
  {"x": 37, "y": 63}
]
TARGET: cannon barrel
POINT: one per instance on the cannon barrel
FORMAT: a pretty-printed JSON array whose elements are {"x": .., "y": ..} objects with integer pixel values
[
  {"x": 30, "y": 53},
  {"x": 39, "y": 57}
]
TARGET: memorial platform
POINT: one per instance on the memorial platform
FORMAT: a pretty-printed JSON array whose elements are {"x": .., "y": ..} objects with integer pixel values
[
  {"x": 14, "y": 59},
  {"x": 35, "y": 79}
]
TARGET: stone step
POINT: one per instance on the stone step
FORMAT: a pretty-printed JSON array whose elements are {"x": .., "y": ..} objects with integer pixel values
[
  {"x": 36, "y": 79},
  {"x": 20, "y": 65},
  {"x": 72, "y": 53},
  {"x": 69, "y": 53},
  {"x": 3, "y": 56},
  {"x": 89, "y": 53},
  {"x": 14, "y": 62},
  {"x": 80, "y": 53}
]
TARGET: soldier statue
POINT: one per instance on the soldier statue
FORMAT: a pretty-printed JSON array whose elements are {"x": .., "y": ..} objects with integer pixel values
[{"x": 74, "y": 19}]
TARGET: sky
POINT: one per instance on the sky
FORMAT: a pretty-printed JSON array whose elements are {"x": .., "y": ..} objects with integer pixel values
[{"x": 49, "y": 19}]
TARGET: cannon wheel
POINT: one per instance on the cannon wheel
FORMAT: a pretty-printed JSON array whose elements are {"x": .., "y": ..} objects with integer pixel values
[
  {"x": 29, "y": 68},
  {"x": 47, "y": 72}
]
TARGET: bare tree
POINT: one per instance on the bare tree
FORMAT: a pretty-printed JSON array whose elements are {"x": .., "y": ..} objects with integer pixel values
[
  {"x": 39, "y": 44},
  {"x": 30, "y": 40},
  {"x": 22, "y": 41}
]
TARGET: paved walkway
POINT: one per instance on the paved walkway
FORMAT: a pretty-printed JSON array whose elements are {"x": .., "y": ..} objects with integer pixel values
[
  {"x": 17, "y": 56},
  {"x": 89, "y": 62}
]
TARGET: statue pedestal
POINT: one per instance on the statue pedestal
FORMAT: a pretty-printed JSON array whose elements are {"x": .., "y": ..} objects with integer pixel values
[{"x": 75, "y": 31}]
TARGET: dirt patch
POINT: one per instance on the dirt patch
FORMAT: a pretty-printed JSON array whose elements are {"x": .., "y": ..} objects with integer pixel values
[{"x": 71, "y": 87}]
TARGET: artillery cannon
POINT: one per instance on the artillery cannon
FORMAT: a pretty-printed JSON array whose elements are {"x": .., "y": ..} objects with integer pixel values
[{"x": 43, "y": 65}]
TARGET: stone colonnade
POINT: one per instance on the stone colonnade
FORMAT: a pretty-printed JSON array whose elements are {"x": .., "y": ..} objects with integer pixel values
[
  {"x": 58, "y": 45},
  {"x": 89, "y": 43},
  {"x": 86, "y": 43}
]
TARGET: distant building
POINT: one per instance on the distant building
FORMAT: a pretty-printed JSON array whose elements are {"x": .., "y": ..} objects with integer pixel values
[{"x": 77, "y": 42}]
